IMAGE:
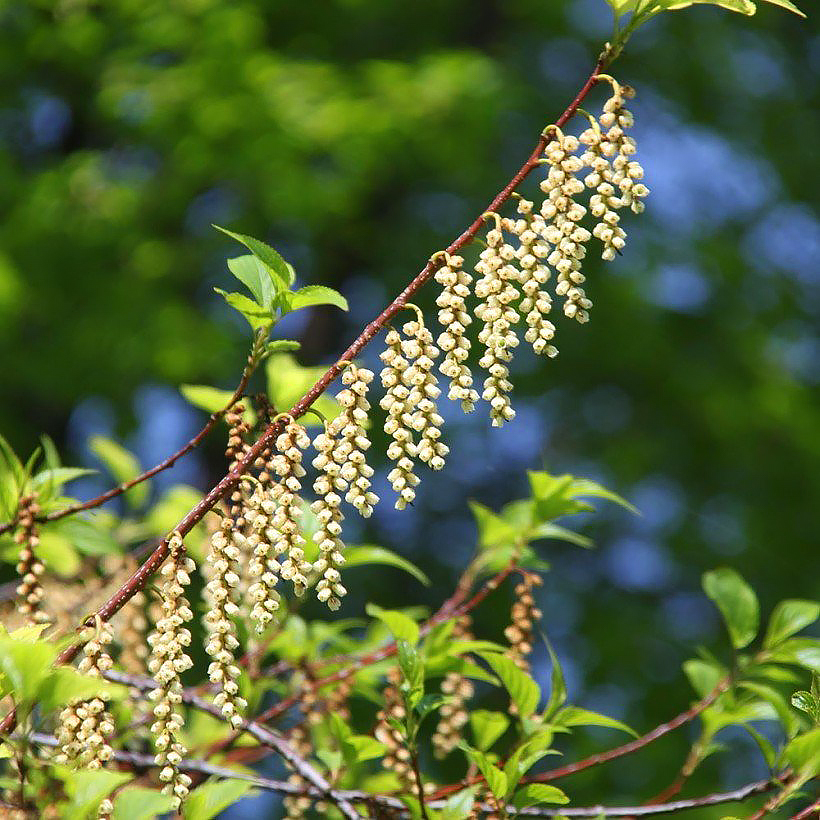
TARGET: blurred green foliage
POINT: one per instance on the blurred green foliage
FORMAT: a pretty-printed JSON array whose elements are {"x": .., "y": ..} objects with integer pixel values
[{"x": 358, "y": 137}]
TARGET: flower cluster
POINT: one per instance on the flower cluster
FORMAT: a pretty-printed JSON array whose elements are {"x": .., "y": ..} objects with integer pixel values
[
  {"x": 220, "y": 591},
  {"x": 397, "y": 758},
  {"x": 263, "y": 569},
  {"x": 410, "y": 404},
  {"x": 169, "y": 659},
  {"x": 85, "y": 726},
  {"x": 524, "y": 615},
  {"x": 283, "y": 532},
  {"x": 459, "y": 689},
  {"x": 343, "y": 468},
  {"x": 454, "y": 317},
  {"x": 29, "y": 566},
  {"x": 497, "y": 291}
]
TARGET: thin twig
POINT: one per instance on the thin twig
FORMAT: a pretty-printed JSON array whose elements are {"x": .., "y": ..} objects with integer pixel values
[
  {"x": 157, "y": 558},
  {"x": 141, "y": 761},
  {"x": 267, "y": 737}
]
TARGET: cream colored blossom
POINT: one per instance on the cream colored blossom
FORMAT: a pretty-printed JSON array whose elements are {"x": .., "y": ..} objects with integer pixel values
[
  {"x": 536, "y": 302},
  {"x": 263, "y": 568},
  {"x": 221, "y": 595},
  {"x": 454, "y": 318},
  {"x": 169, "y": 659},
  {"x": 562, "y": 215},
  {"x": 497, "y": 292}
]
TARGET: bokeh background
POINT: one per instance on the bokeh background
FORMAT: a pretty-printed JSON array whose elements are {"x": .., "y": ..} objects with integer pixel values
[{"x": 358, "y": 137}]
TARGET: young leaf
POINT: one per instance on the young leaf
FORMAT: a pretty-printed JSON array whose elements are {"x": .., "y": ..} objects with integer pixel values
[
  {"x": 410, "y": 664},
  {"x": 274, "y": 262},
  {"x": 369, "y": 554},
  {"x": 47, "y": 481},
  {"x": 86, "y": 789},
  {"x": 457, "y": 807},
  {"x": 788, "y": 618},
  {"x": 213, "y": 797},
  {"x": 524, "y": 691},
  {"x": 256, "y": 316},
  {"x": 311, "y": 295},
  {"x": 496, "y": 779},
  {"x": 576, "y": 716},
  {"x": 737, "y": 603},
  {"x": 403, "y": 627},
  {"x": 803, "y": 753},
  {"x": 534, "y": 794},
  {"x": 122, "y": 464},
  {"x": 558, "y": 686},
  {"x": 786, "y": 4},
  {"x": 487, "y": 727},
  {"x": 257, "y": 278},
  {"x": 492, "y": 529},
  {"x": 281, "y": 346},
  {"x": 88, "y": 535},
  {"x": 746, "y": 7},
  {"x": 138, "y": 803},
  {"x": 809, "y": 703},
  {"x": 288, "y": 381}
]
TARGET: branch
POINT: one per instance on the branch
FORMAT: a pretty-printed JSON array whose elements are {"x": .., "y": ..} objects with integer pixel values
[
  {"x": 810, "y": 811},
  {"x": 142, "y": 761},
  {"x": 163, "y": 465},
  {"x": 634, "y": 745},
  {"x": 612, "y": 754},
  {"x": 267, "y": 737},
  {"x": 224, "y": 486}
]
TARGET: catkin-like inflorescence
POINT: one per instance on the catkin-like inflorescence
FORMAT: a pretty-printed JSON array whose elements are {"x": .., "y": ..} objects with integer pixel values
[
  {"x": 536, "y": 303},
  {"x": 524, "y": 615},
  {"x": 497, "y": 293},
  {"x": 459, "y": 689},
  {"x": 283, "y": 532},
  {"x": 85, "y": 726},
  {"x": 398, "y": 425},
  {"x": 169, "y": 659},
  {"x": 263, "y": 568},
  {"x": 329, "y": 516},
  {"x": 350, "y": 442},
  {"x": 562, "y": 215},
  {"x": 29, "y": 566},
  {"x": 626, "y": 171},
  {"x": 221, "y": 592},
  {"x": 454, "y": 318},
  {"x": 421, "y": 353}
]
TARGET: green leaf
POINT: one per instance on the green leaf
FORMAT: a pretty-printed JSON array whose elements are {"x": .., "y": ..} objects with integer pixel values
[
  {"x": 558, "y": 686},
  {"x": 487, "y": 727},
  {"x": 703, "y": 675},
  {"x": 138, "y": 803},
  {"x": 370, "y": 554},
  {"x": 524, "y": 691},
  {"x": 576, "y": 716},
  {"x": 365, "y": 748},
  {"x": 553, "y": 496},
  {"x": 492, "y": 529},
  {"x": 584, "y": 488},
  {"x": 25, "y": 665},
  {"x": 809, "y": 703},
  {"x": 785, "y": 715},
  {"x": 788, "y": 618},
  {"x": 526, "y": 756},
  {"x": 496, "y": 779},
  {"x": 86, "y": 534},
  {"x": 737, "y": 603},
  {"x": 746, "y": 7},
  {"x": 64, "y": 684},
  {"x": 271, "y": 258},
  {"x": 86, "y": 789},
  {"x": 786, "y": 4},
  {"x": 534, "y": 794},
  {"x": 457, "y": 807},
  {"x": 410, "y": 664},
  {"x": 11, "y": 478},
  {"x": 281, "y": 346},
  {"x": 47, "y": 481},
  {"x": 256, "y": 315},
  {"x": 403, "y": 627},
  {"x": 801, "y": 651},
  {"x": 803, "y": 753},
  {"x": 122, "y": 464},
  {"x": 550, "y": 530},
  {"x": 58, "y": 554},
  {"x": 213, "y": 797},
  {"x": 288, "y": 381},
  {"x": 311, "y": 295}
]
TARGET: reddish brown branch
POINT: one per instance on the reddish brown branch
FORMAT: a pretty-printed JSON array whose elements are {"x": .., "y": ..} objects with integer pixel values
[
  {"x": 140, "y": 577},
  {"x": 810, "y": 811},
  {"x": 612, "y": 754}
]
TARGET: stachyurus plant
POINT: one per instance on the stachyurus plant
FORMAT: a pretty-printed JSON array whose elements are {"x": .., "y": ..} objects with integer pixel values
[{"x": 116, "y": 737}]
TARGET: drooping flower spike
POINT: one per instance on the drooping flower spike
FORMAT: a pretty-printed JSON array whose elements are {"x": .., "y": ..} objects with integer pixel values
[
  {"x": 454, "y": 318},
  {"x": 497, "y": 292}
]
